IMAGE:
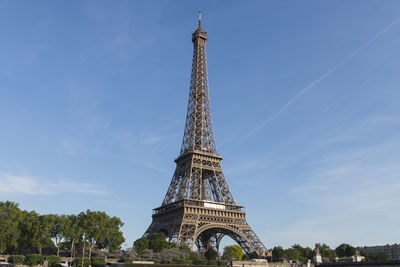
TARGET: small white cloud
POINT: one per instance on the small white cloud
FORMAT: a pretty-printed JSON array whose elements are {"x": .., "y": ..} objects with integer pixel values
[
  {"x": 27, "y": 185},
  {"x": 347, "y": 194}
]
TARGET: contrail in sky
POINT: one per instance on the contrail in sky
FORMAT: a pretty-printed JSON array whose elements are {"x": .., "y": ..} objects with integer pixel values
[{"x": 321, "y": 78}]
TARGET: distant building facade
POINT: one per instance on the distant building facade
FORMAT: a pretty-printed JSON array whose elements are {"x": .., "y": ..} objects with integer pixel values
[{"x": 392, "y": 250}]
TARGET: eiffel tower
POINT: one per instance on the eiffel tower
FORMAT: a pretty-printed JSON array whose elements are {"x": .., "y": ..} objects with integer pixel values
[{"x": 199, "y": 208}]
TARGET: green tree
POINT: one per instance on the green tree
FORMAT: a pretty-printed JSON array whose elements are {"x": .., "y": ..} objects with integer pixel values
[
  {"x": 10, "y": 216},
  {"x": 29, "y": 228},
  {"x": 278, "y": 253},
  {"x": 141, "y": 244},
  {"x": 345, "y": 250},
  {"x": 73, "y": 231},
  {"x": 99, "y": 230},
  {"x": 306, "y": 253},
  {"x": 46, "y": 225},
  {"x": 93, "y": 225},
  {"x": 60, "y": 229},
  {"x": 294, "y": 254},
  {"x": 211, "y": 254},
  {"x": 114, "y": 236},
  {"x": 234, "y": 252},
  {"x": 158, "y": 242}
]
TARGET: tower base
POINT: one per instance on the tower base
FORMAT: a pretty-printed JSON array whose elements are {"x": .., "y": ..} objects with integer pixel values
[{"x": 204, "y": 224}]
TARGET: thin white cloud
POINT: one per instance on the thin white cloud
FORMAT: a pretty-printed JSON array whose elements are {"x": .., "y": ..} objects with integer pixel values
[
  {"x": 351, "y": 196},
  {"x": 321, "y": 78},
  {"x": 11, "y": 184},
  {"x": 349, "y": 193}
]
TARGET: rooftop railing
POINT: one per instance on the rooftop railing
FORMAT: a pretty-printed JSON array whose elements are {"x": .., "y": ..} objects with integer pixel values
[{"x": 197, "y": 203}]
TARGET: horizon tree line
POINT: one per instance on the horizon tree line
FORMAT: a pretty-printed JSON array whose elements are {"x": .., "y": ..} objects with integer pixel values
[{"x": 24, "y": 232}]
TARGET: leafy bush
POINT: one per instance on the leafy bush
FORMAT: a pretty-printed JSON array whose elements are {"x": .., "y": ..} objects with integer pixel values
[
  {"x": 245, "y": 257},
  {"x": 212, "y": 262},
  {"x": 185, "y": 248},
  {"x": 200, "y": 262},
  {"x": 53, "y": 261},
  {"x": 78, "y": 262},
  {"x": 33, "y": 259},
  {"x": 16, "y": 259},
  {"x": 125, "y": 260},
  {"x": 98, "y": 261},
  {"x": 179, "y": 261},
  {"x": 194, "y": 255},
  {"x": 378, "y": 257},
  {"x": 211, "y": 254},
  {"x": 166, "y": 261},
  {"x": 222, "y": 262}
]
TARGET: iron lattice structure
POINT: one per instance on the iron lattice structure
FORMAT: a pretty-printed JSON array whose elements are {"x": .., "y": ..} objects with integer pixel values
[{"x": 199, "y": 208}]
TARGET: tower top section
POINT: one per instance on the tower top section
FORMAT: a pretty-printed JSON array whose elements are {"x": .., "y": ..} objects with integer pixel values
[
  {"x": 200, "y": 32},
  {"x": 199, "y": 134}
]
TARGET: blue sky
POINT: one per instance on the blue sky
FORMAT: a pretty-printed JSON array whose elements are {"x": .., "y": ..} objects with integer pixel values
[{"x": 305, "y": 101}]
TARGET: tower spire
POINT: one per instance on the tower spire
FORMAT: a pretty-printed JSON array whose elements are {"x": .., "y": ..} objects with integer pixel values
[{"x": 199, "y": 19}]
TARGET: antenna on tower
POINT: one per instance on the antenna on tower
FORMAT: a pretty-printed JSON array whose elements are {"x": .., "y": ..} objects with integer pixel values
[{"x": 199, "y": 19}]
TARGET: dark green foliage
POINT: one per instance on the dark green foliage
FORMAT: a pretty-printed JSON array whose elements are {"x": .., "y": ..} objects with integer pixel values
[
  {"x": 78, "y": 262},
  {"x": 179, "y": 261},
  {"x": 125, "y": 260},
  {"x": 141, "y": 244},
  {"x": 326, "y": 251},
  {"x": 156, "y": 261},
  {"x": 98, "y": 261},
  {"x": 172, "y": 245},
  {"x": 378, "y": 257},
  {"x": 155, "y": 242},
  {"x": 345, "y": 250},
  {"x": 17, "y": 259},
  {"x": 222, "y": 262},
  {"x": 245, "y": 257},
  {"x": 33, "y": 259},
  {"x": 211, "y": 254},
  {"x": 200, "y": 261},
  {"x": 166, "y": 261},
  {"x": 296, "y": 252},
  {"x": 185, "y": 248},
  {"x": 24, "y": 232},
  {"x": 158, "y": 242},
  {"x": 194, "y": 255},
  {"x": 10, "y": 215},
  {"x": 100, "y": 230},
  {"x": 53, "y": 260},
  {"x": 306, "y": 253},
  {"x": 278, "y": 253},
  {"x": 212, "y": 262},
  {"x": 60, "y": 229}
]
